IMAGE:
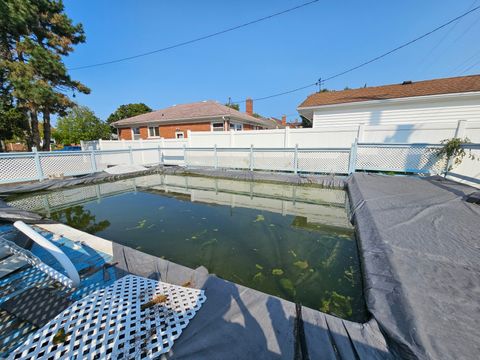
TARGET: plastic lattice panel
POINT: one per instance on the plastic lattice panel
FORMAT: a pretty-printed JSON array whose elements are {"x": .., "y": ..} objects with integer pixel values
[
  {"x": 233, "y": 159},
  {"x": 197, "y": 158},
  {"x": 66, "y": 164},
  {"x": 111, "y": 324},
  {"x": 323, "y": 161},
  {"x": 408, "y": 158},
  {"x": 268, "y": 160},
  {"x": 18, "y": 168}
]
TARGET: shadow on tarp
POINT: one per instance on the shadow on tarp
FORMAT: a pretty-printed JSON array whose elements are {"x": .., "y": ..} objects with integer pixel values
[{"x": 237, "y": 322}]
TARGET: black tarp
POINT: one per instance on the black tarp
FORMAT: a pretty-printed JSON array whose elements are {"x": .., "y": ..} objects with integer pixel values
[{"x": 420, "y": 252}]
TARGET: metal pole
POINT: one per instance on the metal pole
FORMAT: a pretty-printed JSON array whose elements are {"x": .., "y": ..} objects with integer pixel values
[
  {"x": 251, "y": 157},
  {"x": 93, "y": 161},
  {"x": 38, "y": 164},
  {"x": 295, "y": 160},
  {"x": 131, "y": 155},
  {"x": 352, "y": 161},
  {"x": 215, "y": 156}
]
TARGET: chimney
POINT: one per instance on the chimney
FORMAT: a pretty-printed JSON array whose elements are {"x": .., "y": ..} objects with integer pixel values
[
  {"x": 249, "y": 106},
  {"x": 284, "y": 120}
]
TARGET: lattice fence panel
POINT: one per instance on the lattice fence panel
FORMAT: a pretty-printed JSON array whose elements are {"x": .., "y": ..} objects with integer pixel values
[
  {"x": 111, "y": 324},
  {"x": 199, "y": 158},
  {"x": 17, "y": 169},
  {"x": 334, "y": 161},
  {"x": 269, "y": 160},
  {"x": 233, "y": 159},
  {"x": 400, "y": 158},
  {"x": 66, "y": 164}
]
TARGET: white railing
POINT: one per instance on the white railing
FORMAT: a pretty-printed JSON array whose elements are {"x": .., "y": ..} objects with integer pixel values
[{"x": 408, "y": 158}]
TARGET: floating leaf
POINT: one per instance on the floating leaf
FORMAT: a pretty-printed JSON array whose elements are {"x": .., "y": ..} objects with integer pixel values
[
  {"x": 293, "y": 253},
  {"x": 161, "y": 208},
  {"x": 208, "y": 243},
  {"x": 259, "y": 277},
  {"x": 277, "y": 272},
  {"x": 260, "y": 267},
  {"x": 194, "y": 237},
  {"x": 301, "y": 264},
  {"x": 272, "y": 225},
  {"x": 287, "y": 285},
  {"x": 260, "y": 217},
  {"x": 215, "y": 229}
]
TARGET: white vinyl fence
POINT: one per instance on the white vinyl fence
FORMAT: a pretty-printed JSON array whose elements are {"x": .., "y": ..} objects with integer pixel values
[{"x": 412, "y": 158}]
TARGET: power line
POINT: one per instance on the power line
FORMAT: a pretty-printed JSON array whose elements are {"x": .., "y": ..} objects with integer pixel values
[
  {"x": 195, "y": 39},
  {"x": 371, "y": 60}
]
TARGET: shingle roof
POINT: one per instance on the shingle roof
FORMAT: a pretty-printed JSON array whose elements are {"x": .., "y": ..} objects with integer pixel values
[
  {"x": 195, "y": 112},
  {"x": 418, "y": 88}
]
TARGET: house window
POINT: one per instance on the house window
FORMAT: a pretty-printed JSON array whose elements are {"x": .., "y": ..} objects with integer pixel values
[
  {"x": 153, "y": 131},
  {"x": 236, "y": 127},
  {"x": 217, "y": 126},
  {"x": 136, "y": 133},
  {"x": 179, "y": 135}
]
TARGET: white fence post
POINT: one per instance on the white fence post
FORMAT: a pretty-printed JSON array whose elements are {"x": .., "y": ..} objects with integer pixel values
[
  {"x": 100, "y": 145},
  {"x": 131, "y": 155},
  {"x": 142, "y": 152},
  {"x": 360, "y": 132},
  {"x": 185, "y": 155},
  {"x": 38, "y": 164},
  {"x": 82, "y": 145},
  {"x": 286, "y": 139},
  {"x": 352, "y": 160},
  {"x": 460, "y": 130},
  {"x": 295, "y": 160},
  {"x": 93, "y": 161},
  {"x": 160, "y": 157},
  {"x": 251, "y": 157},
  {"x": 215, "y": 156}
]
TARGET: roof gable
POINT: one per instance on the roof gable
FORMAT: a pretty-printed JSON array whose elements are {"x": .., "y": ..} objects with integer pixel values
[{"x": 407, "y": 89}]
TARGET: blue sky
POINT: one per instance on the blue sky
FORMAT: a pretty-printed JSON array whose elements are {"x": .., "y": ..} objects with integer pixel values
[{"x": 279, "y": 54}]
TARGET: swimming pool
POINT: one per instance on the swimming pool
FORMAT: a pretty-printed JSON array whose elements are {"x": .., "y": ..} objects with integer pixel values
[{"x": 294, "y": 242}]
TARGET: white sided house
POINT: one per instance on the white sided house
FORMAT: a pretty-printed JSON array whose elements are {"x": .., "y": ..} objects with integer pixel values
[{"x": 402, "y": 113}]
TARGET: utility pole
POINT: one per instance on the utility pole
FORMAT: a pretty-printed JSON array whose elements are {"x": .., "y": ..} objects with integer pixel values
[{"x": 320, "y": 84}]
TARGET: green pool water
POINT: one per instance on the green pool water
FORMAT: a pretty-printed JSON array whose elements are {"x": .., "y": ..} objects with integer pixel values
[{"x": 290, "y": 241}]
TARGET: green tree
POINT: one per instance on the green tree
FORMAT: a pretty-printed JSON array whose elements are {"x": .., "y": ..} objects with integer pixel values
[
  {"x": 80, "y": 123},
  {"x": 34, "y": 35},
  {"x": 127, "y": 111},
  {"x": 233, "y": 106},
  {"x": 305, "y": 122}
]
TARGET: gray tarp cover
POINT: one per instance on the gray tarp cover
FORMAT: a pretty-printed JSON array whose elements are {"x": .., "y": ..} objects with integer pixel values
[{"x": 420, "y": 248}]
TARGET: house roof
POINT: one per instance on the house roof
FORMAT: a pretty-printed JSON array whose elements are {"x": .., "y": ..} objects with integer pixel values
[
  {"x": 193, "y": 112},
  {"x": 407, "y": 89}
]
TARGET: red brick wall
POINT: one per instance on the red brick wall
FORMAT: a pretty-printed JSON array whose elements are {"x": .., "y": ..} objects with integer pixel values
[
  {"x": 168, "y": 131},
  {"x": 125, "y": 133}
]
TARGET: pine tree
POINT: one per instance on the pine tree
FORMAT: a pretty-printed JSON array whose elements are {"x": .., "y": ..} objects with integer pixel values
[{"x": 34, "y": 35}]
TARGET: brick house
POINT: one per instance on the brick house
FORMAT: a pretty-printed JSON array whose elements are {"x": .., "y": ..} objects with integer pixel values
[{"x": 175, "y": 121}]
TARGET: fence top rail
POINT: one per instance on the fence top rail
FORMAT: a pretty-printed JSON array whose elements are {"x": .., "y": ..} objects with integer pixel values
[
  {"x": 398, "y": 144},
  {"x": 260, "y": 149}
]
